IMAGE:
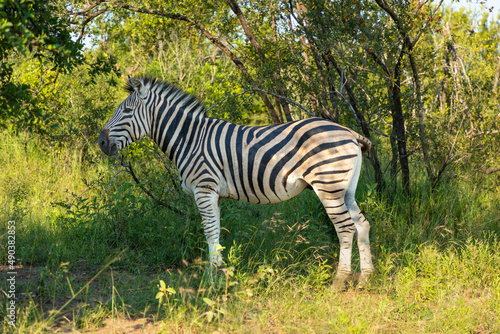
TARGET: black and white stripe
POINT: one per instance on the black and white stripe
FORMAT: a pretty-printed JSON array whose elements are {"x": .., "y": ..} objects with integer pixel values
[{"x": 267, "y": 164}]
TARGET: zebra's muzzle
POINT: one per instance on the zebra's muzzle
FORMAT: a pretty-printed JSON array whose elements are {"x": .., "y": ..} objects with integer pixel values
[{"x": 107, "y": 146}]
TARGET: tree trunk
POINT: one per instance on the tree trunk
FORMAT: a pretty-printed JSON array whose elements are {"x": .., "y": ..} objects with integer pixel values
[
  {"x": 421, "y": 126},
  {"x": 398, "y": 124},
  {"x": 270, "y": 108},
  {"x": 497, "y": 75}
]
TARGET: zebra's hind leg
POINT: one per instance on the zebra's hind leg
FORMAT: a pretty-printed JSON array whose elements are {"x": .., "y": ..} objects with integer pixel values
[
  {"x": 344, "y": 226},
  {"x": 363, "y": 240},
  {"x": 362, "y": 228},
  {"x": 208, "y": 205}
]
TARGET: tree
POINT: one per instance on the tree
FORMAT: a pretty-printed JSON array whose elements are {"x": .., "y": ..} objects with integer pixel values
[
  {"x": 360, "y": 63},
  {"x": 261, "y": 71},
  {"x": 460, "y": 92},
  {"x": 40, "y": 31},
  {"x": 31, "y": 27}
]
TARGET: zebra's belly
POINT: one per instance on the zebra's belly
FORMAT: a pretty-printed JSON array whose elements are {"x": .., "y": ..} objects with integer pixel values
[
  {"x": 266, "y": 195},
  {"x": 293, "y": 188}
]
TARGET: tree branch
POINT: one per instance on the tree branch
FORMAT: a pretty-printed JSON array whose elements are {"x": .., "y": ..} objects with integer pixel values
[
  {"x": 86, "y": 10},
  {"x": 447, "y": 161},
  {"x": 380, "y": 63},
  {"x": 131, "y": 171},
  {"x": 425, "y": 25},
  {"x": 492, "y": 170},
  {"x": 483, "y": 133},
  {"x": 421, "y": 126},
  {"x": 173, "y": 16},
  {"x": 251, "y": 37},
  {"x": 382, "y": 4},
  {"x": 88, "y": 19},
  {"x": 246, "y": 28},
  {"x": 284, "y": 98}
]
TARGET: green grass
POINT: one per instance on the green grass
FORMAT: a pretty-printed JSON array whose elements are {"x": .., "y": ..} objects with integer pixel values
[{"x": 93, "y": 258}]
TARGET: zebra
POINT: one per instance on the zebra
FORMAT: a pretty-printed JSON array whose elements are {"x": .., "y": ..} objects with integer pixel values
[{"x": 266, "y": 164}]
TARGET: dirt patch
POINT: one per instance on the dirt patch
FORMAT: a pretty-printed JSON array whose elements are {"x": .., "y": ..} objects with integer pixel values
[
  {"x": 115, "y": 326},
  {"x": 31, "y": 280}
]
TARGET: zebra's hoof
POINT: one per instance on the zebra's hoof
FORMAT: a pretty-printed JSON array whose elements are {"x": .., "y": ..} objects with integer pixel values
[
  {"x": 363, "y": 280},
  {"x": 339, "y": 280}
]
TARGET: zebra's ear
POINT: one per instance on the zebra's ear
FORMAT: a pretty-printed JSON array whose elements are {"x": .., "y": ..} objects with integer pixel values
[{"x": 139, "y": 87}]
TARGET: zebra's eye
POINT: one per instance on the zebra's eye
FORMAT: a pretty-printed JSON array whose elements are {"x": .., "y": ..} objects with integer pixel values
[{"x": 127, "y": 110}]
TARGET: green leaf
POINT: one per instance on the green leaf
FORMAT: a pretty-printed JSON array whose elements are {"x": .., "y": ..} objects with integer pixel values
[
  {"x": 210, "y": 316},
  {"x": 208, "y": 301}
]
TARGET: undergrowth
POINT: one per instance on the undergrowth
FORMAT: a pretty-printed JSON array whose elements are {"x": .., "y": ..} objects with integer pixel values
[{"x": 91, "y": 249}]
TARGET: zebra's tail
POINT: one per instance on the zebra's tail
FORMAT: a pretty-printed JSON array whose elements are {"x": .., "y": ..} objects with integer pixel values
[{"x": 366, "y": 144}]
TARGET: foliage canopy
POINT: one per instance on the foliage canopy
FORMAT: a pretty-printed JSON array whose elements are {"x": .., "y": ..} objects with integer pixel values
[{"x": 418, "y": 79}]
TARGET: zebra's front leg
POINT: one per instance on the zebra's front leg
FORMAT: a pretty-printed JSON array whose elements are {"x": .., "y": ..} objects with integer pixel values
[{"x": 208, "y": 204}]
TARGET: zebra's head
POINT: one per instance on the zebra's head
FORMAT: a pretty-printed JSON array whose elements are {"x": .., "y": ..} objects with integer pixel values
[{"x": 130, "y": 121}]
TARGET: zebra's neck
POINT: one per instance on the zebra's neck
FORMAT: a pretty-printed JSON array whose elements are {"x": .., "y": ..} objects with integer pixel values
[{"x": 176, "y": 126}]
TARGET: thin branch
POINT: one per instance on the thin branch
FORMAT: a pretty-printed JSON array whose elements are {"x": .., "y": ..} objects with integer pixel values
[
  {"x": 86, "y": 10},
  {"x": 173, "y": 16},
  {"x": 381, "y": 64},
  {"x": 45, "y": 84},
  {"x": 480, "y": 169},
  {"x": 391, "y": 13},
  {"x": 131, "y": 171},
  {"x": 448, "y": 157},
  {"x": 168, "y": 168},
  {"x": 421, "y": 126},
  {"x": 286, "y": 99},
  {"x": 246, "y": 28},
  {"x": 497, "y": 75},
  {"x": 87, "y": 20},
  {"x": 483, "y": 133},
  {"x": 111, "y": 182},
  {"x": 425, "y": 26},
  {"x": 419, "y": 5},
  {"x": 229, "y": 97},
  {"x": 492, "y": 170}
]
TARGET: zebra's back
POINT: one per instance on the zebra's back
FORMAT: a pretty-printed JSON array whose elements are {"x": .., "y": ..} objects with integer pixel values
[{"x": 271, "y": 164}]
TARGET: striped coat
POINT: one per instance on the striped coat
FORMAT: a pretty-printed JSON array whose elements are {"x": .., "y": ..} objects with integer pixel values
[{"x": 268, "y": 164}]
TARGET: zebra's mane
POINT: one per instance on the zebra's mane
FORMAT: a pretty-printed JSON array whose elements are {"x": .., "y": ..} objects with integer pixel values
[{"x": 163, "y": 87}]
